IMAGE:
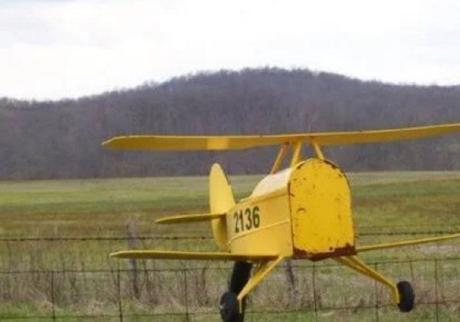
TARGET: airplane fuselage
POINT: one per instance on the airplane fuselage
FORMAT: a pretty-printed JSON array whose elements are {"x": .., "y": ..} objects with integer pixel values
[{"x": 305, "y": 209}]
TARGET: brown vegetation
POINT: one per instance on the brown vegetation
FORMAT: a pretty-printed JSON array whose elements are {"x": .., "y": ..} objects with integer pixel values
[{"x": 62, "y": 139}]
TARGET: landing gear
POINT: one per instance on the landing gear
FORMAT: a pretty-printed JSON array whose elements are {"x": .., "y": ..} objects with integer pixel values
[
  {"x": 402, "y": 293},
  {"x": 229, "y": 306},
  {"x": 406, "y": 296}
]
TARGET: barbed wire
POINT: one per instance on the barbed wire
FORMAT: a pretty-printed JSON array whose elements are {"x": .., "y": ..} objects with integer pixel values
[
  {"x": 295, "y": 264},
  {"x": 313, "y": 308},
  {"x": 203, "y": 237},
  {"x": 103, "y": 238},
  {"x": 190, "y": 314}
]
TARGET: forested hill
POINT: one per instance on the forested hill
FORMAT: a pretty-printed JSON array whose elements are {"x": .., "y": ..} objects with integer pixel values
[{"x": 62, "y": 139}]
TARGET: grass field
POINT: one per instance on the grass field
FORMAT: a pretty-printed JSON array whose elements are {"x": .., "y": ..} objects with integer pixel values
[{"x": 87, "y": 213}]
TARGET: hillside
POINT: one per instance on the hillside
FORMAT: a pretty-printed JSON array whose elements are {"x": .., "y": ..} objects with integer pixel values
[{"x": 62, "y": 139}]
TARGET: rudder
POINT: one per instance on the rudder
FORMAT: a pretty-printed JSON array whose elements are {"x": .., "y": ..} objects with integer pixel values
[{"x": 221, "y": 200}]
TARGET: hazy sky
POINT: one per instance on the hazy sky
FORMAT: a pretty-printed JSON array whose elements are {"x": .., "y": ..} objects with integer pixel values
[{"x": 68, "y": 48}]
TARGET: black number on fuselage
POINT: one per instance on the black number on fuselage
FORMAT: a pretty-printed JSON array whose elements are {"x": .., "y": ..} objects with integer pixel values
[
  {"x": 255, "y": 217},
  {"x": 250, "y": 220},
  {"x": 235, "y": 217},
  {"x": 238, "y": 216},
  {"x": 248, "y": 213}
]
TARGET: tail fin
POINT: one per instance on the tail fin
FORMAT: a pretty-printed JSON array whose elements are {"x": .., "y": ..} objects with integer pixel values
[{"x": 220, "y": 201}]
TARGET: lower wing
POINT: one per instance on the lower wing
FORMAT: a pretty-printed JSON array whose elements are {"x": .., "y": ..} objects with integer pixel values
[
  {"x": 164, "y": 254},
  {"x": 405, "y": 243}
]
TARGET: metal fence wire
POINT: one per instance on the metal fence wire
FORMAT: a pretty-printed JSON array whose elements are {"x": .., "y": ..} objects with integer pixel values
[
  {"x": 378, "y": 232},
  {"x": 300, "y": 292}
]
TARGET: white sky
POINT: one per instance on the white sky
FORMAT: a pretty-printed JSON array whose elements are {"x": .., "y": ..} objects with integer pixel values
[{"x": 51, "y": 49}]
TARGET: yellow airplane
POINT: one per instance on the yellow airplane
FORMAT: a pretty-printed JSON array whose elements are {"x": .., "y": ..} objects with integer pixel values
[{"x": 301, "y": 212}]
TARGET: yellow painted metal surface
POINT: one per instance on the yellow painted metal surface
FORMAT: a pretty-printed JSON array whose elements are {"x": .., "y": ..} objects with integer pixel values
[
  {"x": 320, "y": 205},
  {"x": 168, "y": 254},
  {"x": 296, "y": 152},
  {"x": 184, "y": 219},
  {"x": 279, "y": 158},
  {"x": 272, "y": 183},
  {"x": 318, "y": 151},
  {"x": 258, "y": 276},
  {"x": 230, "y": 142},
  {"x": 220, "y": 201},
  {"x": 358, "y": 265},
  {"x": 261, "y": 223},
  {"x": 368, "y": 248}
]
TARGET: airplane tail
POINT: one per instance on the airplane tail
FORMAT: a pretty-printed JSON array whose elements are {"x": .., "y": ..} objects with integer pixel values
[{"x": 221, "y": 200}]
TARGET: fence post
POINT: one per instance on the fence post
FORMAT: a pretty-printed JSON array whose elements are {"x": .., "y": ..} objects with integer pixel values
[
  {"x": 120, "y": 305},
  {"x": 53, "y": 309},
  {"x": 291, "y": 280},
  {"x": 376, "y": 289},
  {"x": 187, "y": 317},
  {"x": 436, "y": 294},
  {"x": 313, "y": 278},
  {"x": 133, "y": 243}
]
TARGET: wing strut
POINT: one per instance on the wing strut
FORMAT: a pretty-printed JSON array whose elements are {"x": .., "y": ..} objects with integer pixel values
[
  {"x": 181, "y": 219},
  {"x": 405, "y": 243},
  {"x": 259, "y": 275}
]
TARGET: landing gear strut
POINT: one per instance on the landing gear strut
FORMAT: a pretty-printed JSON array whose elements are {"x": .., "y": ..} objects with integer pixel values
[{"x": 229, "y": 306}]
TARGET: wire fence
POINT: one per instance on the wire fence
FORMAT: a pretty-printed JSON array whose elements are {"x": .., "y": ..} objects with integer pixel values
[
  {"x": 381, "y": 232},
  {"x": 313, "y": 292}
]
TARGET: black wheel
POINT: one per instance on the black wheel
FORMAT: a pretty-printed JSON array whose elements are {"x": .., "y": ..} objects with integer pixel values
[
  {"x": 406, "y": 296},
  {"x": 229, "y": 310}
]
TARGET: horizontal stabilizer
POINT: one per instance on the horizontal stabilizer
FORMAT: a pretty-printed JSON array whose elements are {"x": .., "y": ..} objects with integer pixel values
[
  {"x": 181, "y": 219},
  {"x": 406, "y": 243},
  {"x": 235, "y": 142},
  {"x": 164, "y": 254}
]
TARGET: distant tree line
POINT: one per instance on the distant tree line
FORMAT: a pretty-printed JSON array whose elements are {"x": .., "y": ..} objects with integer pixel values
[{"x": 61, "y": 139}]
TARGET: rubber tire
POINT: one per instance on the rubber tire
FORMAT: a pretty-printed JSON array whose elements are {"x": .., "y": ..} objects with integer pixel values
[
  {"x": 240, "y": 276},
  {"x": 228, "y": 308},
  {"x": 406, "y": 296}
]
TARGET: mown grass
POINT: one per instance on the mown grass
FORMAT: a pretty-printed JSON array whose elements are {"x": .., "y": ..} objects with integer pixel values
[
  {"x": 85, "y": 207},
  {"x": 387, "y": 206}
]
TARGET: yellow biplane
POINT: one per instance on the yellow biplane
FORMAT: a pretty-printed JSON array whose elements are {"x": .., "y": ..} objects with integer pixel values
[{"x": 301, "y": 212}]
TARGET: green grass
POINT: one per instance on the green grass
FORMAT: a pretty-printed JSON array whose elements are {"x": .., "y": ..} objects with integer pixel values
[
  {"x": 408, "y": 204},
  {"x": 380, "y": 199}
]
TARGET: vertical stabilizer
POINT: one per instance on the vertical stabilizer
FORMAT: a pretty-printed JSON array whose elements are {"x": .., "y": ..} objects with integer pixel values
[{"x": 220, "y": 201}]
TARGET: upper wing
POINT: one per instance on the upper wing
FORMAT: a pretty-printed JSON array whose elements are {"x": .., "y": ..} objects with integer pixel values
[
  {"x": 163, "y": 254},
  {"x": 179, "y": 219},
  {"x": 405, "y": 243},
  {"x": 234, "y": 142}
]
